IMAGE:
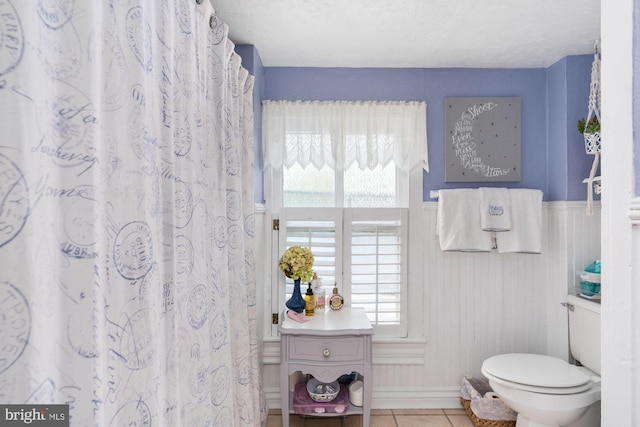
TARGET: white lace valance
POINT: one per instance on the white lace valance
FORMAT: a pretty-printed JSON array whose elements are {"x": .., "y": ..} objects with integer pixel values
[{"x": 341, "y": 133}]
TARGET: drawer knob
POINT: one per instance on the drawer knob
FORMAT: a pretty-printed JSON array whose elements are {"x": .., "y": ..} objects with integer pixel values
[{"x": 326, "y": 352}]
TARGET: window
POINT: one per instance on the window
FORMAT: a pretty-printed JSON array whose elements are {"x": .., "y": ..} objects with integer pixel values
[
  {"x": 310, "y": 187},
  {"x": 339, "y": 185}
]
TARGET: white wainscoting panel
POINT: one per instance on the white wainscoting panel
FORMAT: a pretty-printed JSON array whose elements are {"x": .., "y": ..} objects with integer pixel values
[
  {"x": 479, "y": 304},
  {"x": 475, "y": 305}
]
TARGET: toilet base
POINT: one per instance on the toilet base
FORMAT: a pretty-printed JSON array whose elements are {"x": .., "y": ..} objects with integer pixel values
[
  {"x": 591, "y": 418},
  {"x": 523, "y": 421}
]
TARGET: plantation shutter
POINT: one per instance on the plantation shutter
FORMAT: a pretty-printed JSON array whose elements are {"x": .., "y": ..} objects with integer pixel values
[
  {"x": 321, "y": 231},
  {"x": 363, "y": 250},
  {"x": 376, "y": 265}
]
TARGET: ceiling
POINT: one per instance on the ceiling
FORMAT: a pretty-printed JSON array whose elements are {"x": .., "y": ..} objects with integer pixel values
[{"x": 413, "y": 33}]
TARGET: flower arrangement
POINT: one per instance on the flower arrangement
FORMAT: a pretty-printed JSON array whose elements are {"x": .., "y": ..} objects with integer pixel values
[{"x": 297, "y": 263}]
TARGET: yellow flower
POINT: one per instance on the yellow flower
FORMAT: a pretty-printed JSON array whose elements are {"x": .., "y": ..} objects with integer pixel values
[{"x": 297, "y": 263}]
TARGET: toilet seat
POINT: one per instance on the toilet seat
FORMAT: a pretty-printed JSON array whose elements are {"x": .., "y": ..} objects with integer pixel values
[{"x": 536, "y": 373}]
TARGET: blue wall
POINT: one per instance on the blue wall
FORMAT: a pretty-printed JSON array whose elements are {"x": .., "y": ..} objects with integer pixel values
[
  {"x": 556, "y": 137},
  {"x": 568, "y": 83},
  {"x": 253, "y": 63},
  {"x": 553, "y": 99}
]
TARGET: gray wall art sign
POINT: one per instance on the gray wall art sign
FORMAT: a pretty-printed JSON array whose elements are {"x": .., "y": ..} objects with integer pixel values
[{"x": 482, "y": 139}]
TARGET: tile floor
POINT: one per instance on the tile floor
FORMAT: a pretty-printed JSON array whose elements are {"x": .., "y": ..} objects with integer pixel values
[{"x": 381, "y": 418}]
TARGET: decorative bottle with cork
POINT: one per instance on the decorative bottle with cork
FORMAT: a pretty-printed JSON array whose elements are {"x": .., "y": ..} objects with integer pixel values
[
  {"x": 309, "y": 302},
  {"x": 336, "y": 301}
]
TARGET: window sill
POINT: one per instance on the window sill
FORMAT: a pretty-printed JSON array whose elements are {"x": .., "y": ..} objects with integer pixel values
[{"x": 386, "y": 351}]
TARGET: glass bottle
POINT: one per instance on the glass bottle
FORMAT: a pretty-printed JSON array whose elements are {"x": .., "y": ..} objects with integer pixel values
[
  {"x": 336, "y": 301},
  {"x": 310, "y": 302}
]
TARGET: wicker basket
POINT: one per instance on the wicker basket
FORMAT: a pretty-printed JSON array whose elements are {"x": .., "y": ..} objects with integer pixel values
[{"x": 480, "y": 422}]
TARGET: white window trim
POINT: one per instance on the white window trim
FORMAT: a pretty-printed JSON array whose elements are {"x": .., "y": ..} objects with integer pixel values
[
  {"x": 400, "y": 351},
  {"x": 386, "y": 351},
  {"x": 416, "y": 282}
]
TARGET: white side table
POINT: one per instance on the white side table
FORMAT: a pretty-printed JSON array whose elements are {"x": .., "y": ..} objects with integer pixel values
[{"x": 327, "y": 346}]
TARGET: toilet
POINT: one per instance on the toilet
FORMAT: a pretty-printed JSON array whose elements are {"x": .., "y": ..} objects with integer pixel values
[{"x": 546, "y": 390}]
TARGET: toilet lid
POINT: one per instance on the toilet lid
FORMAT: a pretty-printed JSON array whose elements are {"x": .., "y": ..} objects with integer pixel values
[{"x": 536, "y": 370}]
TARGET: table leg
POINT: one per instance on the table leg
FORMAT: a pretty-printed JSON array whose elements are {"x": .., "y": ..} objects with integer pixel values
[{"x": 284, "y": 394}]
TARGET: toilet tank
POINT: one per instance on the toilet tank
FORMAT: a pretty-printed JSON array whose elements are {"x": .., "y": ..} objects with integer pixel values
[{"x": 584, "y": 332}]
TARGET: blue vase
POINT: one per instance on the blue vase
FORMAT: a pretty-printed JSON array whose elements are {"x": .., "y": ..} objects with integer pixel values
[{"x": 296, "y": 302}]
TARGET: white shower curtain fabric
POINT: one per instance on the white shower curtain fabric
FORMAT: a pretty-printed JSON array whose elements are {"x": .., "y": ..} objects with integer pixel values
[
  {"x": 340, "y": 133},
  {"x": 127, "y": 273}
]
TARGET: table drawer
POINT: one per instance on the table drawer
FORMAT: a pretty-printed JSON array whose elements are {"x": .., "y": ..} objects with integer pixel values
[{"x": 329, "y": 349}]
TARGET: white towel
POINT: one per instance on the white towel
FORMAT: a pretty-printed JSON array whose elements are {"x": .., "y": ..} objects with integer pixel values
[
  {"x": 458, "y": 221},
  {"x": 526, "y": 223},
  {"x": 495, "y": 209}
]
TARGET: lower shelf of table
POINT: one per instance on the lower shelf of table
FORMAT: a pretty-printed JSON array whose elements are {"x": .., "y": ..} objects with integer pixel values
[{"x": 350, "y": 409}]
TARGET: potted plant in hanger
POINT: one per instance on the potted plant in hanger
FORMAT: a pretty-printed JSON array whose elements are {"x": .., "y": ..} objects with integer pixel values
[{"x": 591, "y": 131}]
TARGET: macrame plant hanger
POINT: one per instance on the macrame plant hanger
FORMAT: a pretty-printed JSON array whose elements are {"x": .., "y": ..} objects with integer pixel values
[{"x": 592, "y": 140}]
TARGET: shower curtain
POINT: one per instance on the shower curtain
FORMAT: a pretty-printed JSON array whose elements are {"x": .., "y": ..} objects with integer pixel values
[{"x": 127, "y": 279}]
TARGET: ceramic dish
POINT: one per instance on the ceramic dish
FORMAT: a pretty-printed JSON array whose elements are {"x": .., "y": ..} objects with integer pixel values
[{"x": 322, "y": 392}]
